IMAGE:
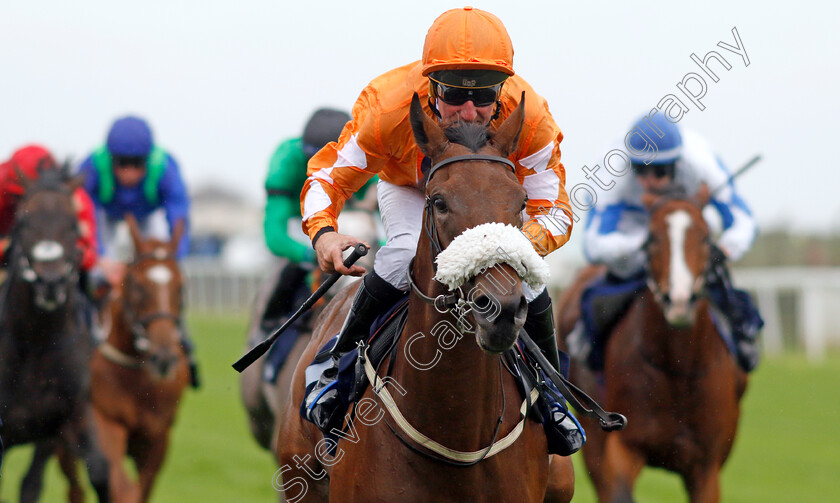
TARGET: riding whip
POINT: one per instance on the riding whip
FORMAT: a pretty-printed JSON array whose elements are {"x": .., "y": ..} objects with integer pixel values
[
  {"x": 359, "y": 251},
  {"x": 609, "y": 421},
  {"x": 736, "y": 174}
]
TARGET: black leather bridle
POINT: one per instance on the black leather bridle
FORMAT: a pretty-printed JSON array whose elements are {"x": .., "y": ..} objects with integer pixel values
[
  {"x": 139, "y": 324},
  {"x": 429, "y": 226}
]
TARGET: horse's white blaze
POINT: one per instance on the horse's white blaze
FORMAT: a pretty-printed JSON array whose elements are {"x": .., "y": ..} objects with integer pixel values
[
  {"x": 681, "y": 278},
  {"x": 159, "y": 274},
  {"x": 47, "y": 250}
]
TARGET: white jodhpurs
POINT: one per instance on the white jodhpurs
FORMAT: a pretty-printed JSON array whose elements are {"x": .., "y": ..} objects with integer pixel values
[
  {"x": 116, "y": 239},
  {"x": 401, "y": 209}
]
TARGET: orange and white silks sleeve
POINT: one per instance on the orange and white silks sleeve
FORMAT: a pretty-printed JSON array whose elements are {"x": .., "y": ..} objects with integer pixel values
[
  {"x": 540, "y": 171},
  {"x": 378, "y": 140},
  {"x": 339, "y": 169}
]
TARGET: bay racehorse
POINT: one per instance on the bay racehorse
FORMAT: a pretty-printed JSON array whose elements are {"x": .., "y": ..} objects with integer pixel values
[
  {"x": 666, "y": 367},
  {"x": 459, "y": 407},
  {"x": 263, "y": 398},
  {"x": 140, "y": 371},
  {"x": 45, "y": 344}
]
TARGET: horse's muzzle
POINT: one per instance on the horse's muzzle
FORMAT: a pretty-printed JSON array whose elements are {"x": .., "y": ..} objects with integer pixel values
[
  {"x": 498, "y": 321},
  {"x": 51, "y": 294},
  {"x": 163, "y": 364},
  {"x": 680, "y": 313}
]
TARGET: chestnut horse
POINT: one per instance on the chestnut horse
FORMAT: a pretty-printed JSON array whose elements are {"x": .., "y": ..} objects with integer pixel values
[
  {"x": 459, "y": 399},
  {"x": 45, "y": 345},
  {"x": 140, "y": 371},
  {"x": 666, "y": 367}
]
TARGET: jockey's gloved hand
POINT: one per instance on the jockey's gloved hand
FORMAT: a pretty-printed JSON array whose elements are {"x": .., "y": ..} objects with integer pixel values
[{"x": 716, "y": 256}]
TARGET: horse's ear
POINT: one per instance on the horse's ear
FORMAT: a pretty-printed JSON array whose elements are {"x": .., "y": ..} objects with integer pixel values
[
  {"x": 649, "y": 199},
  {"x": 507, "y": 135},
  {"x": 134, "y": 229},
  {"x": 76, "y": 181},
  {"x": 177, "y": 232},
  {"x": 703, "y": 195},
  {"x": 427, "y": 133},
  {"x": 24, "y": 180}
]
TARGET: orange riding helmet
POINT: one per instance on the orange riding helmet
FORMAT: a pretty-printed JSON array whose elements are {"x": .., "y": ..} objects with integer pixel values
[
  {"x": 467, "y": 39},
  {"x": 468, "y": 49}
]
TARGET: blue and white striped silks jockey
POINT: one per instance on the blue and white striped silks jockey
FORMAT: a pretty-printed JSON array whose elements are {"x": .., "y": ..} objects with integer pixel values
[{"x": 618, "y": 226}]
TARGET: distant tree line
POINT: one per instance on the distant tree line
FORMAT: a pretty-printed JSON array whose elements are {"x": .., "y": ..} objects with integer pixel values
[{"x": 778, "y": 247}]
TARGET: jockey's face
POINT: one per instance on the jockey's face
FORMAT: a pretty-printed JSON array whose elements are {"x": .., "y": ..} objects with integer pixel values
[
  {"x": 129, "y": 172},
  {"x": 467, "y": 112},
  {"x": 652, "y": 183},
  {"x": 654, "y": 177}
]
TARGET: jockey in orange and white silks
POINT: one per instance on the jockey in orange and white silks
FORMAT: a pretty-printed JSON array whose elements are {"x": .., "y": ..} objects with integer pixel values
[
  {"x": 379, "y": 141},
  {"x": 466, "y": 74}
]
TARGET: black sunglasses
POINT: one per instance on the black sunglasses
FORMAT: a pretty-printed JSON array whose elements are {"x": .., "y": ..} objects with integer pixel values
[
  {"x": 135, "y": 162},
  {"x": 457, "y": 96},
  {"x": 658, "y": 170}
]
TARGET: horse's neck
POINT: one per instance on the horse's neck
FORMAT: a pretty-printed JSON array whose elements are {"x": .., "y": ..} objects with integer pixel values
[
  {"x": 449, "y": 392},
  {"x": 665, "y": 346}
]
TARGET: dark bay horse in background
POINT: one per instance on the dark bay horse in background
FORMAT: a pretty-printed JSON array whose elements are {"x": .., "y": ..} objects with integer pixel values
[
  {"x": 45, "y": 345},
  {"x": 139, "y": 373},
  {"x": 466, "y": 401},
  {"x": 666, "y": 367}
]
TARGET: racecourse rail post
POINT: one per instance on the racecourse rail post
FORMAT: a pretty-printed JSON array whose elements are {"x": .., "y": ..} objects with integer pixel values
[{"x": 359, "y": 251}]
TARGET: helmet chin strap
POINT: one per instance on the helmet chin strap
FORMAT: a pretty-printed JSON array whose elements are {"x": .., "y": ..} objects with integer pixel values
[
  {"x": 434, "y": 108},
  {"x": 497, "y": 112}
]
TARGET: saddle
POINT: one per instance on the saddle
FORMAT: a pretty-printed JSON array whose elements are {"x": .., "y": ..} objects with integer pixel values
[
  {"x": 564, "y": 433},
  {"x": 606, "y": 300},
  {"x": 602, "y": 305}
]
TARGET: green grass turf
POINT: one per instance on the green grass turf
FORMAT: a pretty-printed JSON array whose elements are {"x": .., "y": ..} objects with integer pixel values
[
  {"x": 787, "y": 444},
  {"x": 786, "y": 450},
  {"x": 212, "y": 456}
]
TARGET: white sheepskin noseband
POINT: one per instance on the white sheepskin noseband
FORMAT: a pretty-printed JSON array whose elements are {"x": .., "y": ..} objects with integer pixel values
[{"x": 486, "y": 245}]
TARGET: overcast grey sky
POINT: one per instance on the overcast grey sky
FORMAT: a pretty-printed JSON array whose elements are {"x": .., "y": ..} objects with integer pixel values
[{"x": 223, "y": 82}]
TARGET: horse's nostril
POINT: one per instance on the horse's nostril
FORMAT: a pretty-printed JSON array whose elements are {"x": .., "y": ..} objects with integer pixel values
[{"x": 482, "y": 302}]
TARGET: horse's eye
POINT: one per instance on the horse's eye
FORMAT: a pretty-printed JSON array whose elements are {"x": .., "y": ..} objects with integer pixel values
[
  {"x": 439, "y": 204},
  {"x": 524, "y": 203}
]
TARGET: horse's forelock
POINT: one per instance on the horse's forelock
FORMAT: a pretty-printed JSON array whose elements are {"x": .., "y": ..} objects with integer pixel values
[
  {"x": 469, "y": 134},
  {"x": 53, "y": 178}
]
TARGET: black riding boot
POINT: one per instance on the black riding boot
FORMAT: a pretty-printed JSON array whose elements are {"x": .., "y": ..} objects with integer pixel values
[
  {"x": 737, "y": 306},
  {"x": 540, "y": 327},
  {"x": 281, "y": 302},
  {"x": 563, "y": 432},
  {"x": 187, "y": 346},
  {"x": 325, "y": 404}
]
